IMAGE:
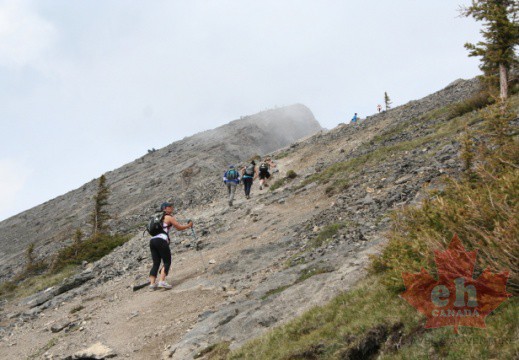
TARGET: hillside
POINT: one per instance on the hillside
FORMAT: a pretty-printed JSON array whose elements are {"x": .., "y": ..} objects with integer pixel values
[
  {"x": 139, "y": 186},
  {"x": 269, "y": 258}
]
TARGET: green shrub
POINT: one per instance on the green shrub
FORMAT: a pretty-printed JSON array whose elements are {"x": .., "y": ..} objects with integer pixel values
[
  {"x": 291, "y": 174},
  {"x": 89, "y": 250},
  {"x": 475, "y": 102},
  {"x": 275, "y": 291},
  {"x": 215, "y": 351},
  {"x": 312, "y": 271},
  {"x": 282, "y": 155},
  {"x": 279, "y": 183},
  {"x": 7, "y": 288},
  {"x": 326, "y": 234}
]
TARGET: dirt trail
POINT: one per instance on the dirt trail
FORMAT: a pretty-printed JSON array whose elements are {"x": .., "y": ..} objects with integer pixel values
[{"x": 141, "y": 324}]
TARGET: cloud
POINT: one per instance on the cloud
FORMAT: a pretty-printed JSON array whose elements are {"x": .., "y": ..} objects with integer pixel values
[
  {"x": 24, "y": 35},
  {"x": 13, "y": 177}
]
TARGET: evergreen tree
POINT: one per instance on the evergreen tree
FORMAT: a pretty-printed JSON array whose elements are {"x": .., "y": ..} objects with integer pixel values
[
  {"x": 387, "y": 101},
  {"x": 78, "y": 237},
  {"x": 99, "y": 216},
  {"x": 501, "y": 35},
  {"x": 30, "y": 255}
]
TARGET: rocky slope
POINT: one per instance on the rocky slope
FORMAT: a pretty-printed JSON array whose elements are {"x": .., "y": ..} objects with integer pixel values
[
  {"x": 187, "y": 171},
  {"x": 268, "y": 259}
]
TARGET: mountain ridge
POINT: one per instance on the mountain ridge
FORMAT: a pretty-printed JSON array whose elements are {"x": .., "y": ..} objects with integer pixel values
[
  {"x": 269, "y": 259},
  {"x": 140, "y": 185}
]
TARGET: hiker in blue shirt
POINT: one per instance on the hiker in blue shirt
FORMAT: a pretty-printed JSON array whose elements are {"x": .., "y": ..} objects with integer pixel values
[
  {"x": 231, "y": 178},
  {"x": 354, "y": 119}
]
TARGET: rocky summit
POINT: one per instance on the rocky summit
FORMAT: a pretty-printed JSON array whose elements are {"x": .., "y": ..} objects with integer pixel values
[{"x": 256, "y": 265}]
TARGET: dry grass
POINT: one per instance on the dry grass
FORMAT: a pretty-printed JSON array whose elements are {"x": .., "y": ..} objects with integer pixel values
[{"x": 481, "y": 208}]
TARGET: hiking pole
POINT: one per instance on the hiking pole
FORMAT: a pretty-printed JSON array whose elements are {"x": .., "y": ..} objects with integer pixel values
[{"x": 198, "y": 248}]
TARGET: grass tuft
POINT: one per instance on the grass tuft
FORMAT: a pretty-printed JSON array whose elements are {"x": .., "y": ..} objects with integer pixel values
[{"x": 89, "y": 250}]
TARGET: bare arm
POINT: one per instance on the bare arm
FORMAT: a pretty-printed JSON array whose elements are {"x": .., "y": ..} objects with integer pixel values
[{"x": 170, "y": 220}]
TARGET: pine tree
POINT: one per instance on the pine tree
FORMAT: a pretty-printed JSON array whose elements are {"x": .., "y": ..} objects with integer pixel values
[
  {"x": 78, "y": 237},
  {"x": 29, "y": 253},
  {"x": 99, "y": 216},
  {"x": 387, "y": 101},
  {"x": 501, "y": 34}
]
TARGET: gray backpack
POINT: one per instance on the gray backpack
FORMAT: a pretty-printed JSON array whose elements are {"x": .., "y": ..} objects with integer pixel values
[{"x": 249, "y": 170}]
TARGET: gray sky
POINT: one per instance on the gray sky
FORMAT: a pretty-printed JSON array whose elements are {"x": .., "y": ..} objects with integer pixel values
[{"x": 88, "y": 86}]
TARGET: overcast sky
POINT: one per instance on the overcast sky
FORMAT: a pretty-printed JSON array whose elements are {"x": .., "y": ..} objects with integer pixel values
[{"x": 87, "y": 86}]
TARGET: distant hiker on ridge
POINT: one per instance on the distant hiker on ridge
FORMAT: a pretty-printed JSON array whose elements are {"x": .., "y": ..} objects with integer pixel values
[
  {"x": 159, "y": 246},
  {"x": 249, "y": 173},
  {"x": 231, "y": 178},
  {"x": 354, "y": 118},
  {"x": 379, "y": 107}
]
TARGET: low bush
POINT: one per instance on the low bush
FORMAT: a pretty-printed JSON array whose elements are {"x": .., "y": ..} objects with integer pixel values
[
  {"x": 89, "y": 250},
  {"x": 291, "y": 174},
  {"x": 215, "y": 351},
  {"x": 473, "y": 103},
  {"x": 279, "y": 183},
  {"x": 326, "y": 234}
]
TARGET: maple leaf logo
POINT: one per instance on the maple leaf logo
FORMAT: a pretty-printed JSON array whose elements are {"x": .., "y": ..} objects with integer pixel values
[{"x": 455, "y": 298}]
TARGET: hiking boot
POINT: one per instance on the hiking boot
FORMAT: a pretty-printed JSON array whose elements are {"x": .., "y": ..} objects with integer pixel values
[
  {"x": 261, "y": 187},
  {"x": 153, "y": 286},
  {"x": 248, "y": 197},
  {"x": 164, "y": 285}
]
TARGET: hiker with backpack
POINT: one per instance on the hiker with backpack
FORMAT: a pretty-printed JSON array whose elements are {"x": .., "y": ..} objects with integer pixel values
[
  {"x": 159, "y": 228},
  {"x": 264, "y": 173},
  {"x": 231, "y": 179},
  {"x": 248, "y": 174}
]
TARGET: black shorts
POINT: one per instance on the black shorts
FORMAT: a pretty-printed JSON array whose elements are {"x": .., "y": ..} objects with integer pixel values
[{"x": 264, "y": 175}]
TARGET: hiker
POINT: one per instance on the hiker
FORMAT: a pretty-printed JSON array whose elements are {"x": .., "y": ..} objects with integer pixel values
[
  {"x": 379, "y": 107},
  {"x": 264, "y": 173},
  {"x": 159, "y": 246},
  {"x": 354, "y": 118},
  {"x": 231, "y": 178},
  {"x": 248, "y": 174}
]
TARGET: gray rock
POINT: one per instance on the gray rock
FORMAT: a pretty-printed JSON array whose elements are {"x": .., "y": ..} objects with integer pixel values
[
  {"x": 403, "y": 179},
  {"x": 97, "y": 351},
  {"x": 60, "y": 326}
]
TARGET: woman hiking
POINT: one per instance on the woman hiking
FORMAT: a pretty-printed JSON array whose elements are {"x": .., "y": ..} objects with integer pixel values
[
  {"x": 248, "y": 174},
  {"x": 159, "y": 246}
]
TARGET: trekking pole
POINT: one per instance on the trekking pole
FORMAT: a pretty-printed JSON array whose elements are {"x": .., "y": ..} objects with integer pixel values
[{"x": 198, "y": 248}]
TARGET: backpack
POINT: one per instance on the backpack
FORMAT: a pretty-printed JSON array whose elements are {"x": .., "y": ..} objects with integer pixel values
[
  {"x": 154, "y": 226},
  {"x": 263, "y": 167},
  {"x": 232, "y": 174},
  {"x": 249, "y": 170}
]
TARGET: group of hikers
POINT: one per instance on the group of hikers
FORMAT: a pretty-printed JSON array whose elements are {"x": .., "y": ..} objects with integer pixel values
[
  {"x": 159, "y": 244},
  {"x": 246, "y": 175}
]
